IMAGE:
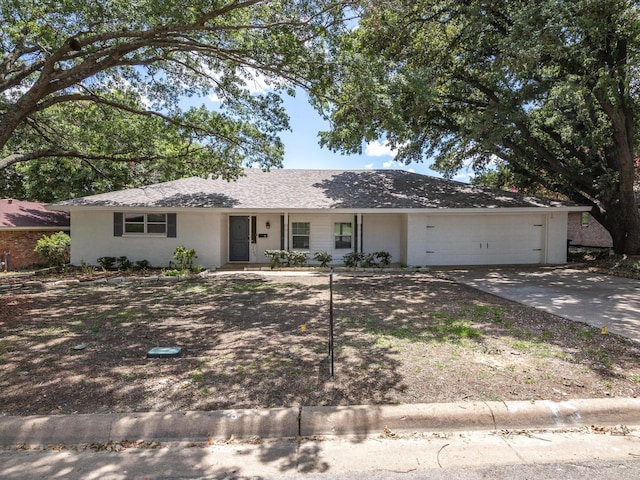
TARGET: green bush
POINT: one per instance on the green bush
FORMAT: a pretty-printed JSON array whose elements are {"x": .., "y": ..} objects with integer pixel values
[
  {"x": 172, "y": 273},
  {"x": 367, "y": 260},
  {"x": 55, "y": 248},
  {"x": 275, "y": 257},
  {"x": 353, "y": 259},
  {"x": 107, "y": 263},
  {"x": 123, "y": 263},
  {"x": 383, "y": 258},
  {"x": 142, "y": 265},
  {"x": 289, "y": 258},
  {"x": 324, "y": 258},
  {"x": 185, "y": 259},
  {"x": 297, "y": 258}
]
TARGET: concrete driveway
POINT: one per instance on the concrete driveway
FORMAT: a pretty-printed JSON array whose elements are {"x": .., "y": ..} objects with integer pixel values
[{"x": 593, "y": 298}]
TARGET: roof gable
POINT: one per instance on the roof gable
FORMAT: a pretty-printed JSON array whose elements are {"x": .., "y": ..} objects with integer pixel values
[{"x": 288, "y": 189}]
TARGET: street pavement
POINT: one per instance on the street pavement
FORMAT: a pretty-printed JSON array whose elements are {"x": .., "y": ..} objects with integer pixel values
[
  {"x": 436, "y": 455},
  {"x": 593, "y": 298}
]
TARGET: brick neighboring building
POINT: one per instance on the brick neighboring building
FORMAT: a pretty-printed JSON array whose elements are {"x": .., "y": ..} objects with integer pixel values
[
  {"x": 22, "y": 224},
  {"x": 585, "y": 231}
]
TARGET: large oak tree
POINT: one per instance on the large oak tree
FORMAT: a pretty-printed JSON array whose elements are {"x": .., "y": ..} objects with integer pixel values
[
  {"x": 102, "y": 81},
  {"x": 547, "y": 87}
]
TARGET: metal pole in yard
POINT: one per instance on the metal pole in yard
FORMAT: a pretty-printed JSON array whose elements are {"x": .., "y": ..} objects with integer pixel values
[{"x": 331, "y": 320}]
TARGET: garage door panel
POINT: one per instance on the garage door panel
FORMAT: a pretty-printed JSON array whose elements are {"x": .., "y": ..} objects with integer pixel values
[{"x": 484, "y": 240}]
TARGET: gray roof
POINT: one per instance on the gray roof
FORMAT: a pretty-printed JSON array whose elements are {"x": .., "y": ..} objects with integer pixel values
[{"x": 289, "y": 189}]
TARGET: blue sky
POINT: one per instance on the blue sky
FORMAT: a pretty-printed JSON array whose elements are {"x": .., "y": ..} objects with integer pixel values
[{"x": 302, "y": 149}]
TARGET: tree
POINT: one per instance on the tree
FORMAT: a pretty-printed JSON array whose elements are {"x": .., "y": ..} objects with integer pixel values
[
  {"x": 102, "y": 81},
  {"x": 547, "y": 87}
]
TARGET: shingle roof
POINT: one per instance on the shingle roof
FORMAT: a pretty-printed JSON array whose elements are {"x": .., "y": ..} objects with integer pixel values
[
  {"x": 314, "y": 189},
  {"x": 21, "y": 214}
]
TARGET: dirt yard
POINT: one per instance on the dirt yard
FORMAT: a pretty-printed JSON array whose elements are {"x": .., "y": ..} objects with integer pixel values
[{"x": 250, "y": 340}]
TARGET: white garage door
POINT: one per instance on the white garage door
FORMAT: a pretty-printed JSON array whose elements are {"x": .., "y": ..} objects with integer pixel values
[{"x": 484, "y": 239}]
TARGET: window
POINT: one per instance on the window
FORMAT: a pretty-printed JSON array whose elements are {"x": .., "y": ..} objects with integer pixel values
[
  {"x": 342, "y": 233},
  {"x": 300, "y": 234},
  {"x": 585, "y": 219},
  {"x": 145, "y": 223}
]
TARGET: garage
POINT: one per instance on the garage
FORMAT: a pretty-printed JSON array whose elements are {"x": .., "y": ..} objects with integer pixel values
[{"x": 484, "y": 239}]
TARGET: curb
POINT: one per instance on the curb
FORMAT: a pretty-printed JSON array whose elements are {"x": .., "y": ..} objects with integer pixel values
[{"x": 310, "y": 421}]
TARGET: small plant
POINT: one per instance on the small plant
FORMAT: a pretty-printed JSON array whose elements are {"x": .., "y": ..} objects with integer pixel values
[
  {"x": 141, "y": 265},
  {"x": 55, "y": 248},
  {"x": 353, "y": 259},
  {"x": 275, "y": 257},
  {"x": 367, "y": 260},
  {"x": 324, "y": 258},
  {"x": 174, "y": 272},
  {"x": 107, "y": 263},
  {"x": 289, "y": 258},
  {"x": 184, "y": 258},
  {"x": 297, "y": 258},
  {"x": 383, "y": 258},
  {"x": 123, "y": 263},
  {"x": 86, "y": 268}
]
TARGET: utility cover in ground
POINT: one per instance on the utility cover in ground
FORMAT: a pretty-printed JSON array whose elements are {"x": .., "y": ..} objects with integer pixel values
[{"x": 164, "y": 352}]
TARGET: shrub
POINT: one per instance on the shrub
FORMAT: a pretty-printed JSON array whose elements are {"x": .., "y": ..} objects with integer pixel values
[
  {"x": 353, "y": 259},
  {"x": 384, "y": 258},
  {"x": 107, "y": 263},
  {"x": 85, "y": 267},
  {"x": 289, "y": 258},
  {"x": 184, "y": 258},
  {"x": 172, "y": 273},
  {"x": 55, "y": 248},
  {"x": 297, "y": 258},
  {"x": 323, "y": 257},
  {"x": 142, "y": 265},
  {"x": 367, "y": 260},
  {"x": 275, "y": 257},
  {"x": 123, "y": 263}
]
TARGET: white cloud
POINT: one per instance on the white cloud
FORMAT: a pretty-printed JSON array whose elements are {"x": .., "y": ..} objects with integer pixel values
[
  {"x": 379, "y": 149},
  {"x": 388, "y": 164},
  {"x": 369, "y": 166}
]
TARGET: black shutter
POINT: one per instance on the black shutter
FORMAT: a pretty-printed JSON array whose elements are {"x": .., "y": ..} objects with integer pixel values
[
  {"x": 172, "y": 229},
  {"x": 117, "y": 223}
]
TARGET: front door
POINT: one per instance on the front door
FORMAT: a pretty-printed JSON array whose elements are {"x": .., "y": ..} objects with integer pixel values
[{"x": 238, "y": 239}]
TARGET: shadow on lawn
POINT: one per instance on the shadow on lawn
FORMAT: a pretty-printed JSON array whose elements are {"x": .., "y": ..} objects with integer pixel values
[
  {"x": 246, "y": 343},
  {"x": 249, "y": 342}
]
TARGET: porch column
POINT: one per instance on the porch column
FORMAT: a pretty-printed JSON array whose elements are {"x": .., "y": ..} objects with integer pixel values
[
  {"x": 286, "y": 231},
  {"x": 360, "y": 234}
]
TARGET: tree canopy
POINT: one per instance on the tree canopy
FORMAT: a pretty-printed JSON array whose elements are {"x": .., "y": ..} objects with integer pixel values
[
  {"x": 86, "y": 84},
  {"x": 548, "y": 88}
]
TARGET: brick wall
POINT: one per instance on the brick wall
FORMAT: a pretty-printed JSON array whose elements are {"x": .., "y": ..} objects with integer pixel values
[
  {"x": 20, "y": 245},
  {"x": 590, "y": 235}
]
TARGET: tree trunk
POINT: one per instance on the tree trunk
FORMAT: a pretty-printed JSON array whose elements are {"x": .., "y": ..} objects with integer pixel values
[{"x": 622, "y": 220}]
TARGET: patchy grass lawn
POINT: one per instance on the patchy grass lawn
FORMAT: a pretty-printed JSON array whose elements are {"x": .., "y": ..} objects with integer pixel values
[{"x": 262, "y": 341}]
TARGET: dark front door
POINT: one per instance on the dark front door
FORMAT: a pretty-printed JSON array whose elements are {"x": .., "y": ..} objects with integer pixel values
[{"x": 238, "y": 239}]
